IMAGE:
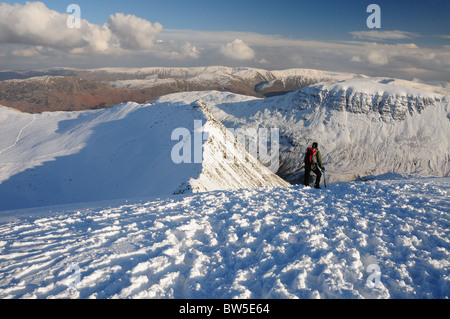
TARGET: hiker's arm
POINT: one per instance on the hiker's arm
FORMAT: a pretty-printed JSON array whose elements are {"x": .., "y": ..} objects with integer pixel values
[{"x": 319, "y": 160}]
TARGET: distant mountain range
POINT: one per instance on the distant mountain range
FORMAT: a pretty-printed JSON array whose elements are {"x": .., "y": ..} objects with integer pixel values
[{"x": 66, "y": 89}]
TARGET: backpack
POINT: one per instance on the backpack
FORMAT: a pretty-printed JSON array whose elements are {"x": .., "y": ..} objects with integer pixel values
[{"x": 311, "y": 156}]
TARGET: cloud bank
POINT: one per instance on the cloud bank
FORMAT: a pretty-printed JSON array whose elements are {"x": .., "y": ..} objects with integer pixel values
[
  {"x": 384, "y": 35},
  {"x": 376, "y": 58}
]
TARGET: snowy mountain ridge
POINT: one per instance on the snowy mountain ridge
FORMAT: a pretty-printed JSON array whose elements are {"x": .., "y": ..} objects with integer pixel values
[
  {"x": 216, "y": 76},
  {"x": 226, "y": 163},
  {"x": 254, "y": 76},
  {"x": 368, "y": 96},
  {"x": 125, "y": 151}
]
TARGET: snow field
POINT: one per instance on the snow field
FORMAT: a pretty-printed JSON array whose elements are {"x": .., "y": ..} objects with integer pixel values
[{"x": 290, "y": 242}]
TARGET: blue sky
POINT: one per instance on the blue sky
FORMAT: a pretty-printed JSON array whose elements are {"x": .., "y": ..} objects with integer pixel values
[
  {"x": 322, "y": 19},
  {"x": 412, "y": 42}
]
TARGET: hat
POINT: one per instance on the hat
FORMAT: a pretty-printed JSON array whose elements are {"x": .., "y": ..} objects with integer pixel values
[{"x": 315, "y": 145}]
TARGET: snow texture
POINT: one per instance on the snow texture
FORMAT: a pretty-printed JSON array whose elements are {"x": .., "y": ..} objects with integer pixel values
[
  {"x": 122, "y": 232},
  {"x": 383, "y": 238}
]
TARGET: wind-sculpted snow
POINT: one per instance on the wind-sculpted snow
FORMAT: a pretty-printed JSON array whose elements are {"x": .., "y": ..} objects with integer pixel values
[{"x": 386, "y": 238}]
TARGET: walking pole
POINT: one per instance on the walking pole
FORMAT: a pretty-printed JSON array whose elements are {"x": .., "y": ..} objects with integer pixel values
[{"x": 324, "y": 179}]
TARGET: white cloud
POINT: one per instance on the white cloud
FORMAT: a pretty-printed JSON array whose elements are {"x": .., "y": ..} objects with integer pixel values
[
  {"x": 34, "y": 24},
  {"x": 237, "y": 50},
  {"x": 99, "y": 38},
  {"x": 133, "y": 32},
  {"x": 189, "y": 51}
]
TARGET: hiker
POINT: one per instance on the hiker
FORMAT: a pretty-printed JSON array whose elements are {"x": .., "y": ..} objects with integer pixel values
[{"x": 313, "y": 162}]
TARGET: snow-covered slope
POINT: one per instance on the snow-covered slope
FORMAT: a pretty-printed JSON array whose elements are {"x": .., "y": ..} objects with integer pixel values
[
  {"x": 386, "y": 238},
  {"x": 364, "y": 127},
  {"x": 121, "y": 152}
]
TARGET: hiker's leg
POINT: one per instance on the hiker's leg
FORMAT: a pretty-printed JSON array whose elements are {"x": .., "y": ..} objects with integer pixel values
[
  {"x": 318, "y": 176},
  {"x": 307, "y": 174}
]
